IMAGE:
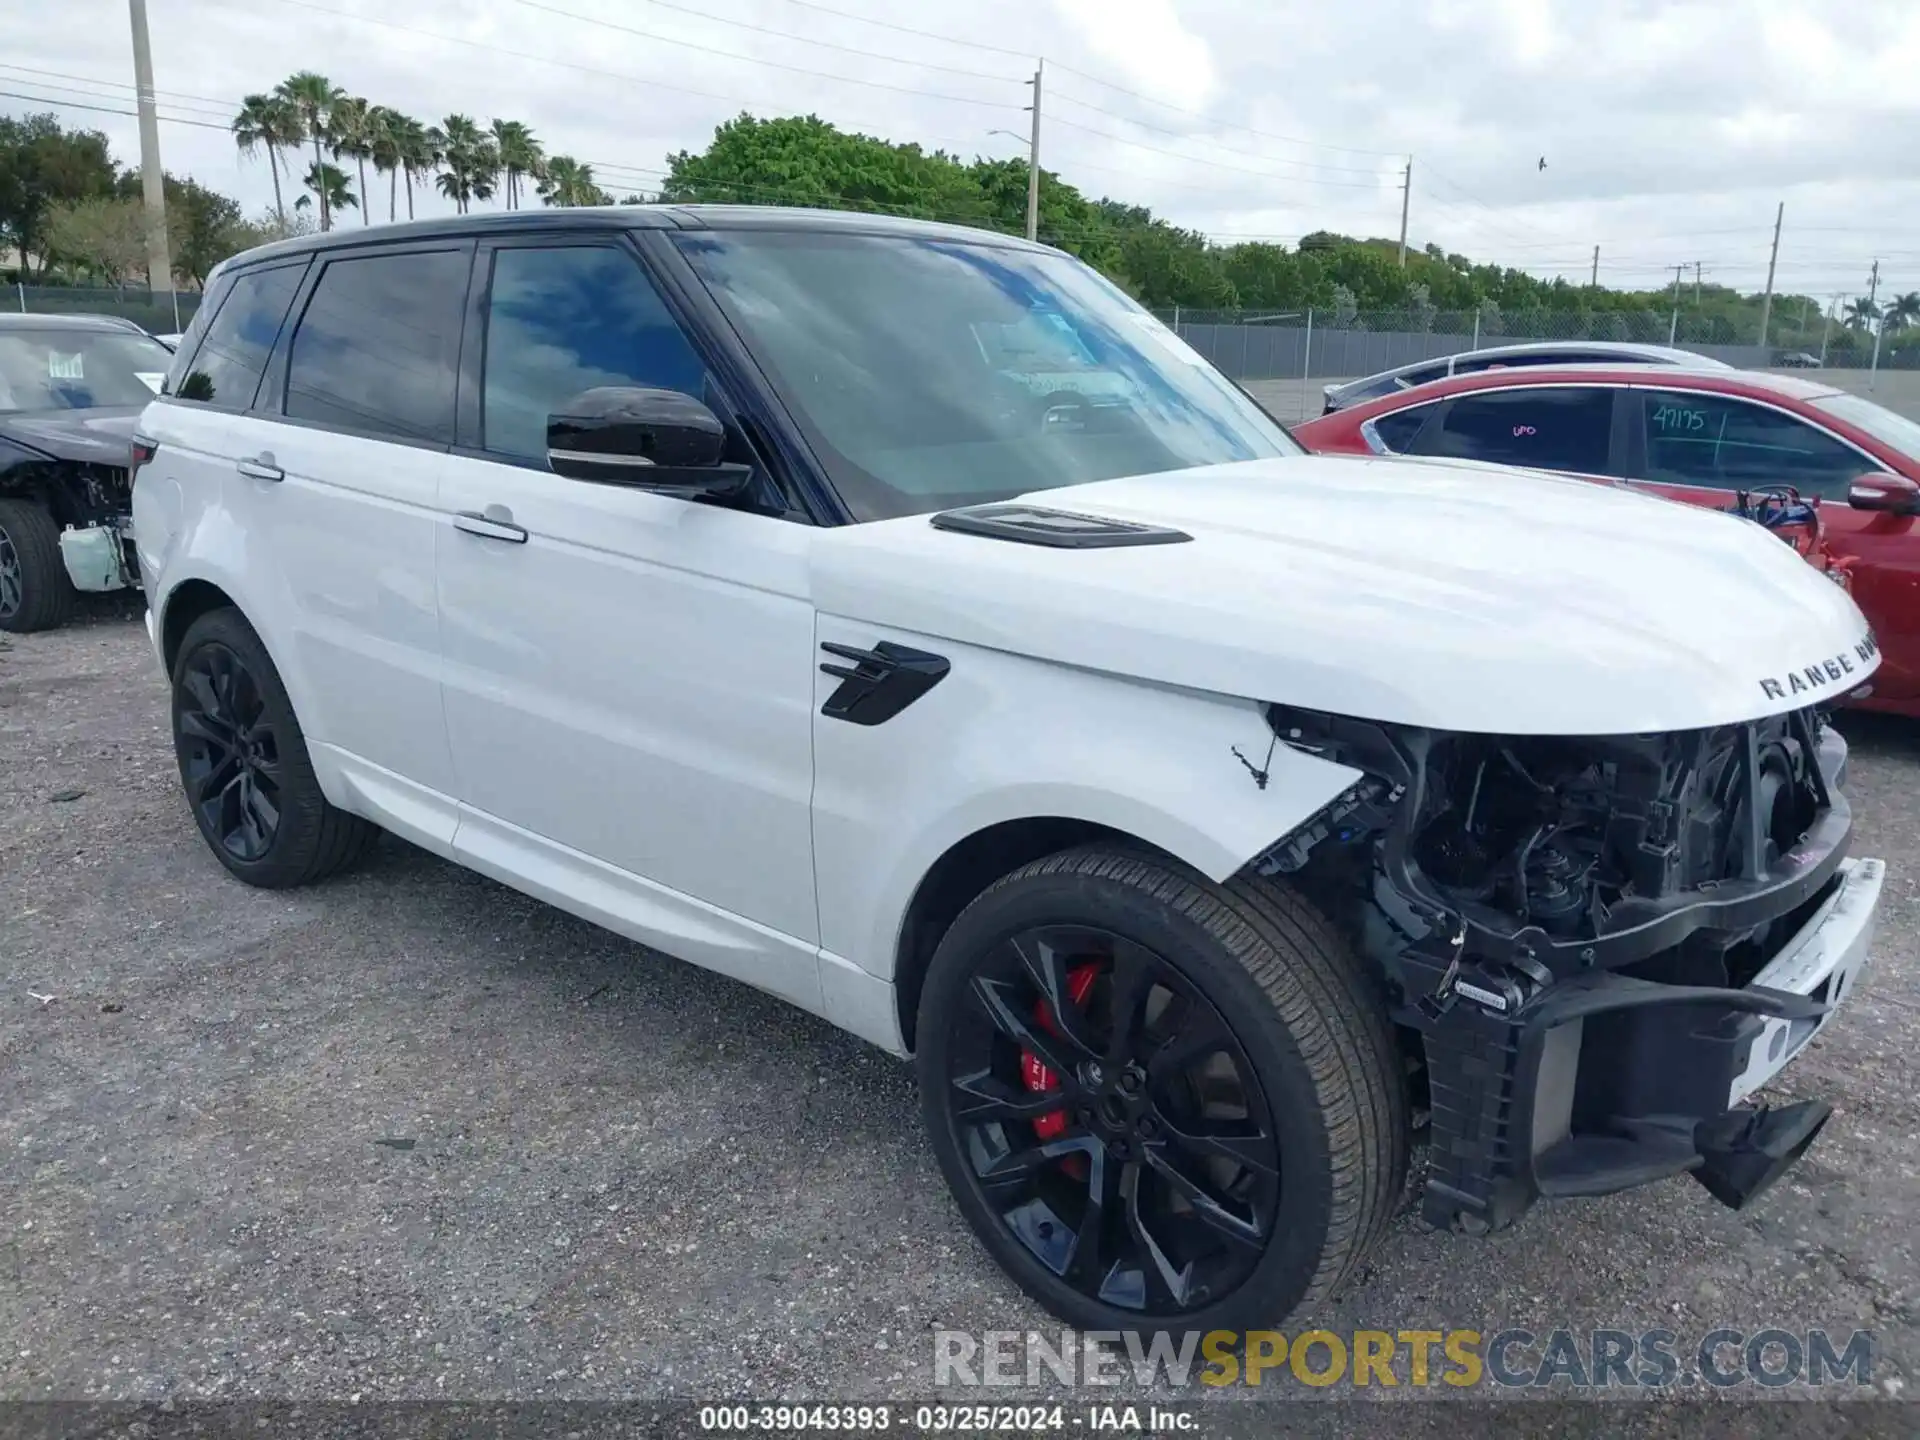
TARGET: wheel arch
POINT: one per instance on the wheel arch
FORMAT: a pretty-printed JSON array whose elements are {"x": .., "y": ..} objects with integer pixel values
[
  {"x": 183, "y": 605},
  {"x": 966, "y": 869}
]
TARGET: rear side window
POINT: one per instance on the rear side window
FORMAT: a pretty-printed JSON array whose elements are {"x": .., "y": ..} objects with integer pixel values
[
  {"x": 1396, "y": 431},
  {"x": 568, "y": 319},
  {"x": 378, "y": 347},
  {"x": 1420, "y": 376},
  {"x": 226, "y": 369},
  {"x": 1545, "y": 427}
]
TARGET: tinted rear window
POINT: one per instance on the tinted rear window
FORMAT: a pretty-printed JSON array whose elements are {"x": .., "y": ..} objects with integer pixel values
[
  {"x": 378, "y": 347},
  {"x": 226, "y": 369},
  {"x": 1547, "y": 428}
]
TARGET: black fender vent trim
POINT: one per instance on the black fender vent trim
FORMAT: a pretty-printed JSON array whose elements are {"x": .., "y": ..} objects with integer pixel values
[{"x": 880, "y": 682}]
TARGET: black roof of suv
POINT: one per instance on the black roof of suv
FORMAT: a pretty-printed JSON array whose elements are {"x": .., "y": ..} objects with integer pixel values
[{"x": 637, "y": 217}]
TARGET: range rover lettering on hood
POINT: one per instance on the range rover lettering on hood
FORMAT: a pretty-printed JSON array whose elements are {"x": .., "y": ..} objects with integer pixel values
[{"x": 1827, "y": 672}]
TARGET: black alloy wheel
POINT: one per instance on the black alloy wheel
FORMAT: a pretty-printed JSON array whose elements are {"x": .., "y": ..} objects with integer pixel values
[
  {"x": 1157, "y": 1100},
  {"x": 1112, "y": 1120},
  {"x": 11, "y": 592},
  {"x": 244, "y": 763},
  {"x": 229, "y": 754}
]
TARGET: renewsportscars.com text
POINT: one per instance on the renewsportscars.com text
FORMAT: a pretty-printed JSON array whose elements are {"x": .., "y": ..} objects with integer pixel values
[{"x": 1457, "y": 1359}]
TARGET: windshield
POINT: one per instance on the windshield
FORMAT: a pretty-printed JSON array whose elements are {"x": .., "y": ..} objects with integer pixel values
[
  {"x": 1878, "y": 421},
  {"x": 932, "y": 373},
  {"x": 61, "y": 369}
]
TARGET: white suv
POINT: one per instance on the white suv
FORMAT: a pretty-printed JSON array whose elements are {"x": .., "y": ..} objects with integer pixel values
[{"x": 1203, "y": 816}]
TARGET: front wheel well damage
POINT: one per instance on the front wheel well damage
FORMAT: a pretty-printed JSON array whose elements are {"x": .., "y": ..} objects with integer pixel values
[{"x": 959, "y": 876}]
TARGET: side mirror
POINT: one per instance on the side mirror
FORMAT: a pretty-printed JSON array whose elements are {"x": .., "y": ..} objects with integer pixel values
[
  {"x": 1891, "y": 494},
  {"x": 658, "y": 440}
]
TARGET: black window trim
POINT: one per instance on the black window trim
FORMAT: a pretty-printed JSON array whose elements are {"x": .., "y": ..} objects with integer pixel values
[
  {"x": 1616, "y": 461},
  {"x": 271, "y": 402},
  {"x": 204, "y": 320},
  {"x": 1637, "y": 432}
]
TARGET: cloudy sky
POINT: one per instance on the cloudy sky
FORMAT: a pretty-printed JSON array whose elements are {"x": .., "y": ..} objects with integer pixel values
[{"x": 1671, "y": 128}]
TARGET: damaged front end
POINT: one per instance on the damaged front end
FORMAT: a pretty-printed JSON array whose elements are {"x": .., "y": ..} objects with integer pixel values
[{"x": 1604, "y": 944}]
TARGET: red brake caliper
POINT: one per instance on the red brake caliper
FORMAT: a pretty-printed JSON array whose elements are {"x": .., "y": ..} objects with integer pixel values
[{"x": 1036, "y": 1075}]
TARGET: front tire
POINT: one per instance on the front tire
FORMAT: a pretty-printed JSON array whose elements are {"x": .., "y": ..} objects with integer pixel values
[
  {"x": 1161, "y": 1103},
  {"x": 244, "y": 763},
  {"x": 35, "y": 593}
]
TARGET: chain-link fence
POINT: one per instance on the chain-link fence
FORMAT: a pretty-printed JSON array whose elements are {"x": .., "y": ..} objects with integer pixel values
[
  {"x": 1331, "y": 343},
  {"x": 157, "y": 315}
]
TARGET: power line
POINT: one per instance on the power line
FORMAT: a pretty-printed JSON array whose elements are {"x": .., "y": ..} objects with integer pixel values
[
  {"x": 1188, "y": 135},
  {"x": 105, "y": 109},
  {"x": 1218, "y": 164},
  {"x": 780, "y": 34},
  {"x": 772, "y": 64},
  {"x": 120, "y": 85}
]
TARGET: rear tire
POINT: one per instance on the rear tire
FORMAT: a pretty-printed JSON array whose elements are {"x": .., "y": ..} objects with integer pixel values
[
  {"x": 244, "y": 763},
  {"x": 35, "y": 593},
  {"x": 1262, "y": 1173}
]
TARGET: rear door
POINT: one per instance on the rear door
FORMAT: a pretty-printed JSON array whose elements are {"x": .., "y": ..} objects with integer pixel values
[
  {"x": 339, "y": 493},
  {"x": 1565, "y": 428}
]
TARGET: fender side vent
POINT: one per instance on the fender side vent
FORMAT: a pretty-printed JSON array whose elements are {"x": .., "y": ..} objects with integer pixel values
[{"x": 1062, "y": 529}]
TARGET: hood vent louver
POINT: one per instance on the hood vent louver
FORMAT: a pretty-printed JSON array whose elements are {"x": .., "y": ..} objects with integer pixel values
[{"x": 1062, "y": 529}]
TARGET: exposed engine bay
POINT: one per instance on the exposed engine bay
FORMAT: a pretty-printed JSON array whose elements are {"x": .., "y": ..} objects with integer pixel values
[{"x": 1584, "y": 939}]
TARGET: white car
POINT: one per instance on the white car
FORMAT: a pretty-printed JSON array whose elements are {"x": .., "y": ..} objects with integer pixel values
[{"x": 1196, "y": 812}]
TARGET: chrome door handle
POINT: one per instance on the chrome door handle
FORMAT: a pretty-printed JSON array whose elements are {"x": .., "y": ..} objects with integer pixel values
[
  {"x": 260, "y": 467},
  {"x": 498, "y": 526}
]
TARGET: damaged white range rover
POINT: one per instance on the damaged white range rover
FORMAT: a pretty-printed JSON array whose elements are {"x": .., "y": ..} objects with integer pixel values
[{"x": 899, "y": 619}]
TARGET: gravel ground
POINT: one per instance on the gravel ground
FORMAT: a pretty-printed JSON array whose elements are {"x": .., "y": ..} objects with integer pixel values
[{"x": 410, "y": 1134}]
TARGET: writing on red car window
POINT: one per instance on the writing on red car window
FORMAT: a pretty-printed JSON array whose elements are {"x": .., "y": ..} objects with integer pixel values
[
  {"x": 1520, "y": 430},
  {"x": 1677, "y": 420}
]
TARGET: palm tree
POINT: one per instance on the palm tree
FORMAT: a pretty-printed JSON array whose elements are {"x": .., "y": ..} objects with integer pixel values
[
  {"x": 332, "y": 184},
  {"x": 383, "y": 148},
  {"x": 1860, "y": 314},
  {"x": 348, "y": 134},
  {"x": 420, "y": 153},
  {"x": 567, "y": 181},
  {"x": 1904, "y": 310},
  {"x": 464, "y": 152},
  {"x": 312, "y": 97},
  {"x": 270, "y": 122},
  {"x": 520, "y": 154}
]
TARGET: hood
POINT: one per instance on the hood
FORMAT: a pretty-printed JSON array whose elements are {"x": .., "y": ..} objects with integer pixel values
[
  {"x": 1460, "y": 597},
  {"x": 100, "y": 437}
]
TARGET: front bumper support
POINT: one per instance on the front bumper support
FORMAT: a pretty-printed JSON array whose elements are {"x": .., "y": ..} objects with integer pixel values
[{"x": 1604, "y": 1081}]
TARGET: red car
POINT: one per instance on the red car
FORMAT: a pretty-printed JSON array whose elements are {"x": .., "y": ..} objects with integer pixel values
[{"x": 1721, "y": 438}]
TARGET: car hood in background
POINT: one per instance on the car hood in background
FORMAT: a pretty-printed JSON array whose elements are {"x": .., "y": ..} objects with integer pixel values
[
  {"x": 100, "y": 437},
  {"x": 1460, "y": 597}
]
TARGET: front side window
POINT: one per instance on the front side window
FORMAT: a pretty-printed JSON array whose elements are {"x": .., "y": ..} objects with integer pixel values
[
  {"x": 226, "y": 368},
  {"x": 929, "y": 373},
  {"x": 567, "y": 319},
  {"x": 71, "y": 368},
  {"x": 378, "y": 347},
  {"x": 1545, "y": 427},
  {"x": 1724, "y": 443}
]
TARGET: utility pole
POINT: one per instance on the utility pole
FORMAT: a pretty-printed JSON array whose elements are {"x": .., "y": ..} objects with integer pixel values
[
  {"x": 1766, "y": 301},
  {"x": 1826, "y": 328},
  {"x": 1406, "y": 199},
  {"x": 1033, "y": 157},
  {"x": 1673, "y": 325},
  {"x": 1595, "y": 281},
  {"x": 1699, "y": 269},
  {"x": 1879, "y": 329},
  {"x": 152, "y": 178}
]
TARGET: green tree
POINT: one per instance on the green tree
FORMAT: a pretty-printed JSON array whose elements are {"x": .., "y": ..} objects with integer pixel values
[
  {"x": 468, "y": 161},
  {"x": 43, "y": 165},
  {"x": 332, "y": 185},
  {"x": 313, "y": 97},
  {"x": 419, "y": 153},
  {"x": 520, "y": 155},
  {"x": 268, "y": 122},
  {"x": 385, "y": 135},
  {"x": 567, "y": 181},
  {"x": 105, "y": 236},
  {"x": 1860, "y": 313},
  {"x": 1903, "y": 310}
]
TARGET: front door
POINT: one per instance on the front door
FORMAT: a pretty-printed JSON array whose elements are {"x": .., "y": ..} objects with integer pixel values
[
  {"x": 1705, "y": 447},
  {"x": 629, "y": 677}
]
